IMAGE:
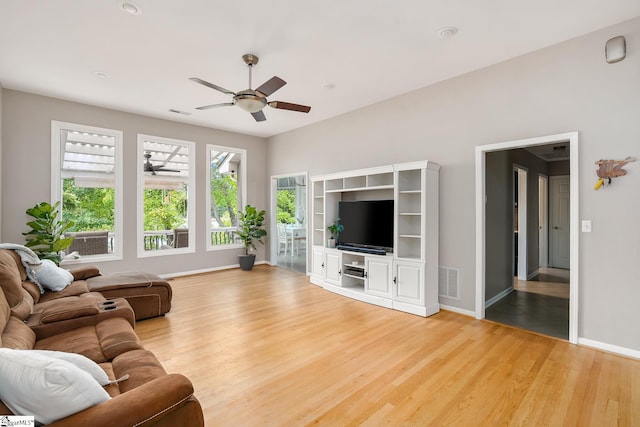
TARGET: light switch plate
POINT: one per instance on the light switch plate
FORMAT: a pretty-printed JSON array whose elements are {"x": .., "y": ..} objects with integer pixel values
[{"x": 586, "y": 226}]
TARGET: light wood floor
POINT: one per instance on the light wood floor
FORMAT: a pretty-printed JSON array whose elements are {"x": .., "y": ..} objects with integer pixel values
[
  {"x": 551, "y": 281},
  {"x": 266, "y": 348}
]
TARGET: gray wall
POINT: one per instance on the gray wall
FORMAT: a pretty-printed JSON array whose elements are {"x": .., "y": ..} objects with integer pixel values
[
  {"x": 567, "y": 87},
  {"x": 26, "y": 172},
  {"x": 499, "y": 181}
]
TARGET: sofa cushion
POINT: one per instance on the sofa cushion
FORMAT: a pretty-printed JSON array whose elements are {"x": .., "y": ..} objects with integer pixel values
[
  {"x": 19, "y": 300},
  {"x": 79, "y": 287},
  {"x": 100, "y": 343},
  {"x": 51, "y": 277},
  {"x": 47, "y": 388},
  {"x": 17, "y": 335}
]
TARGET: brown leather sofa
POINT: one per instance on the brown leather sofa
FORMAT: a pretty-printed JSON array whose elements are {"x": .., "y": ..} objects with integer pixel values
[{"x": 78, "y": 321}]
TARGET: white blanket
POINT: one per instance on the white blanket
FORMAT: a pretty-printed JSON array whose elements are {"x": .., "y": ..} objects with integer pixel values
[{"x": 29, "y": 260}]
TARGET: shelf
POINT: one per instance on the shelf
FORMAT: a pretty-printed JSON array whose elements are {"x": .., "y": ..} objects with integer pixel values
[
  {"x": 410, "y": 191},
  {"x": 346, "y": 190},
  {"x": 353, "y": 277}
]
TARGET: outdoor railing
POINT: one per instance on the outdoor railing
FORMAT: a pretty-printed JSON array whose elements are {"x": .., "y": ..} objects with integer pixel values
[
  {"x": 163, "y": 239},
  {"x": 224, "y": 236}
]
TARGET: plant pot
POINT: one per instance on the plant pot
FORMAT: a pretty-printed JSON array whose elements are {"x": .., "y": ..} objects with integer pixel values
[
  {"x": 246, "y": 261},
  {"x": 331, "y": 243}
]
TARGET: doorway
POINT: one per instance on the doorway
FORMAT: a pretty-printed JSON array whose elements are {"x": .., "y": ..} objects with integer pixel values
[
  {"x": 289, "y": 224},
  {"x": 484, "y": 281}
]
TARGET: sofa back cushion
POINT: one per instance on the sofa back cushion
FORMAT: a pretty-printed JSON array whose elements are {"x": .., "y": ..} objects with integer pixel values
[
  {"x": 14, "y": 333},
  {"x": 11, "y": 277}
]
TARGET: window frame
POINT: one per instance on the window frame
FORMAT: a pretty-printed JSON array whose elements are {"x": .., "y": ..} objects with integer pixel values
[
  {"x": 243, "y": 191},
  {"x": 191, "y": 196},
  {"x": 56, "y": 183}
]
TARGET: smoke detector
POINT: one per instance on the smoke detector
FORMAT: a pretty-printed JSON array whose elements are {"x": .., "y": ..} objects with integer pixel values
[{"x": 446, "y": 32}]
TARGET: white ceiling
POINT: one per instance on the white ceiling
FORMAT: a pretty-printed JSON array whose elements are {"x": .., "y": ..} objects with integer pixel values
[{"x": 368, "y": 50}]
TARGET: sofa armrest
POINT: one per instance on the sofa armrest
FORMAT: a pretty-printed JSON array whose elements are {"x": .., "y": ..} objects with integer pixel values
[
  {"x": 143, "y": 405},
  {"x": 83, "y": 273}
]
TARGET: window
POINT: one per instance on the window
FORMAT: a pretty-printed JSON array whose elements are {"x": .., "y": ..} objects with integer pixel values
[
  {"x": 166, "y": 196},
  {"x": 87, "y": 179},
  {"x": 226, "y": 178}
]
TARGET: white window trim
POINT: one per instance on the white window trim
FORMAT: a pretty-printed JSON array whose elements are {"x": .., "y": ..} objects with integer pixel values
[
  {"x": 191, "y": 199},
  {"x": 243, "y": 191},
  {"x": 56, "y": 184}
]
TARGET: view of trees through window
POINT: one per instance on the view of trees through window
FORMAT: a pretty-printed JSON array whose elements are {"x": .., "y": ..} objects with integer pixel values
[
  {"x": 90, "y": 209},
  {"x": 286, "y": 199},
  {"x": 225, "y": 198}
]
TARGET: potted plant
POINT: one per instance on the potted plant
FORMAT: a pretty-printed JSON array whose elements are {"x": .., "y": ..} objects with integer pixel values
[
  {"x": 46, "y": 237},
  {"x": 335, "y": 230},
  {"x": 251, "y": 229}
]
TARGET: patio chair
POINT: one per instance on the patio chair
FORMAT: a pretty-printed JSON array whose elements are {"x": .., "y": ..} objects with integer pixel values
[
  {"x": 180, "y": 237},
  {"x": 89, "y": 242}
]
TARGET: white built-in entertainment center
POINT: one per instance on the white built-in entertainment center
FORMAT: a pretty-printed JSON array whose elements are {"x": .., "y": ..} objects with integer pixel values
[{"x": 405, "y": 278}]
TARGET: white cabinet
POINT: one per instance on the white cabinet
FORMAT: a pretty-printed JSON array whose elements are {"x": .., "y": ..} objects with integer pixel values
[
  {"x": 317, "y": 265},
  {"x": 333, "y": 268},
  {"x": 406, "y": 279},
  {"x": 378, "y": 274}
]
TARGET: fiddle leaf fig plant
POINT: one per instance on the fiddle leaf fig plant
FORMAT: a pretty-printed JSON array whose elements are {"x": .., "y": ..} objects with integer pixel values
[
  {"x": 251, "y": 228},
  {"x": 46, "y": 237}
]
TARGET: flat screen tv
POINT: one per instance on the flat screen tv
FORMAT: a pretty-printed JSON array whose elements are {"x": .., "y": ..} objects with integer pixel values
[{"x": 367, "y": 224}]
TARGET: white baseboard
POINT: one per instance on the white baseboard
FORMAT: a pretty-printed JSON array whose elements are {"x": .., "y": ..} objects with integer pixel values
[
  {"x": 204, "y": 270},
  {"x": 458, "y": 310},
  {"x": 623, "y": 351},
  {"x": 497, "y": 298},
  {"x": 534, "y": 274}
]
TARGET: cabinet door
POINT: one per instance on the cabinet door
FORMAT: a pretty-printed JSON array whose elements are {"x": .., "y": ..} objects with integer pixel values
[
  {"x": 378, "y": 281},
  {"x": 317, "y": 262},
  {"x": 332, "y": 267},
  {"x": 409, "y": 282}
]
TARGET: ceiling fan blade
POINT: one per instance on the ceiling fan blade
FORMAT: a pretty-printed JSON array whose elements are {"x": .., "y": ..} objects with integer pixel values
[
  {"x": 207, "y": 107},
  {"x": 271, "y": 85},
  {"x": 259, "y": 116},
  {"x": 167, "y": 170},
  {"x": 289, "y": 106},
  {"x": 211, "y": 85}
]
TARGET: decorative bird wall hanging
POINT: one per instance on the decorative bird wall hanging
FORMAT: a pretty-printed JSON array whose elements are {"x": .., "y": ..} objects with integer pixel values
[{"x": 608, "y": 169}]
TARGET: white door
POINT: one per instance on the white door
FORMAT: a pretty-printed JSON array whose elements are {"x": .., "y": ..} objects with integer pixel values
[
  {"x": 559, "y": 203},
  {"x": 378, "y": 280},
  {"x": 408, "y": 282},
  {"x": 543, "y": 221}
]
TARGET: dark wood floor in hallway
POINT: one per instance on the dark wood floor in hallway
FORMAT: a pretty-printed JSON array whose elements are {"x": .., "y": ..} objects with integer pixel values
[{"x": 266, "y": 348}]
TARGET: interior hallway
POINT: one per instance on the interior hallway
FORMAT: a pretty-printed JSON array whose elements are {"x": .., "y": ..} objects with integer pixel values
[{"x": 540, "y": 305}]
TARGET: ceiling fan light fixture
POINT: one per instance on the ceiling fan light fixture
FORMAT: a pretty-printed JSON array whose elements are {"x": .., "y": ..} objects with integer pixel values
[{"x": 250, "y": 102}]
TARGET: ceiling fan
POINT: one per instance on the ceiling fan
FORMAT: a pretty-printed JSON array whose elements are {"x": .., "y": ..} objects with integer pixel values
[
  {"x": 253, "y": 100},
  {"x": 149, "y": 167}
]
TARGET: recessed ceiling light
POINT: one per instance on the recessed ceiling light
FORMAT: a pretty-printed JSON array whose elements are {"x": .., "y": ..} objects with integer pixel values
[
  {"x": 101, "y": 74},
  {"x": 130, "y": 8},
  {"x": 446, "y": 32}
]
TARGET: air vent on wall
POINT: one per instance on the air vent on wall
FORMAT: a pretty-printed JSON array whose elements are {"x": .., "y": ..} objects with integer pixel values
[{"x": 448, "y": 282}]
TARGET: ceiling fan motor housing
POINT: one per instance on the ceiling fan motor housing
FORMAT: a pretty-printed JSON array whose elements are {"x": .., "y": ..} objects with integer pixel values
[{"x": 250, "y": 101}]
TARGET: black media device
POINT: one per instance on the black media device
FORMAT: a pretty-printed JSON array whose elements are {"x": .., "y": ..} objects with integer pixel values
[{"x": 368, "y": 226}]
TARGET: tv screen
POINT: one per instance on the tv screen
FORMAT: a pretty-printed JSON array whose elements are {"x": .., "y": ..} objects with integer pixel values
[{"x": 367, "y": 223}]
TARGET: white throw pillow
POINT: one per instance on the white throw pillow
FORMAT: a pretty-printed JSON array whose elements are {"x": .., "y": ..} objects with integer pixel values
[
  {"x": 80, "y": 361},
  {"x": 52, "y": 277},
  {"x": 48, "y": 388}
]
